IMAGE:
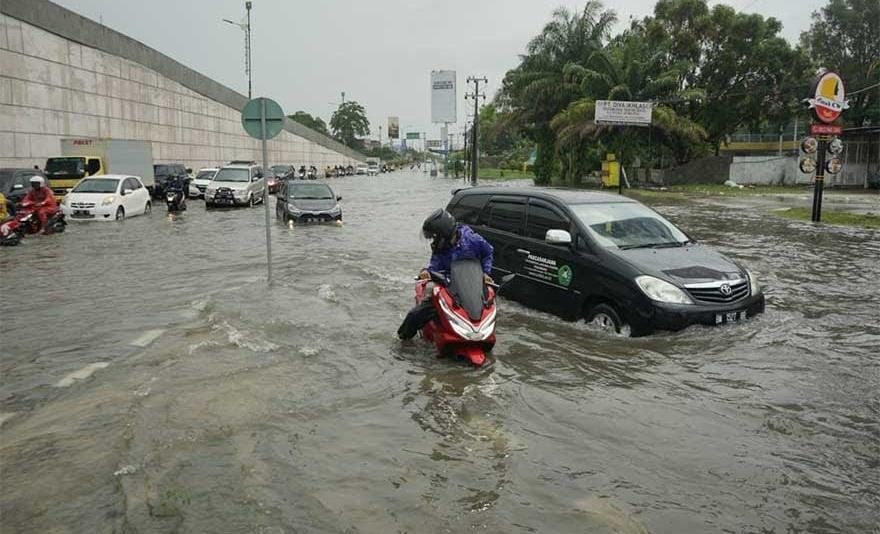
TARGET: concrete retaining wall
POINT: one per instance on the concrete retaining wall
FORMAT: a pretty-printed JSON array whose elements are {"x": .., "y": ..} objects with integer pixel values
[
  {"x": 62, "y": 75},
  {"x": 767, "y": 170}
]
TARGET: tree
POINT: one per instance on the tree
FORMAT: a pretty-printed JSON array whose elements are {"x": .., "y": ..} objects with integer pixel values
[
  {"x": 315, "y": 123},
  {"x": 349, "y": 122},
  {"x": 845, "y": 37},
  {"x": 536, "y": 91}
]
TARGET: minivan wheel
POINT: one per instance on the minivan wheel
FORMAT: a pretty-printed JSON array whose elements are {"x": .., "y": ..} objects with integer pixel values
[{"x": 606, "y": 318}]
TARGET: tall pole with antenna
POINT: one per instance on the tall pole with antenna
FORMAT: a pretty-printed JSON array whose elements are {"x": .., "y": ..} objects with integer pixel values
[{"x": 246, "y": 27}]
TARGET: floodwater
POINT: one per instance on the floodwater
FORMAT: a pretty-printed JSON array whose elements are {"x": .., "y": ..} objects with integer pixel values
[{"x": 152, "y": 382}]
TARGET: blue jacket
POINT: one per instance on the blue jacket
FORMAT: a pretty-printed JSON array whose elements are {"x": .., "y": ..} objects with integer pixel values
[{"x": 470, "y": 246}]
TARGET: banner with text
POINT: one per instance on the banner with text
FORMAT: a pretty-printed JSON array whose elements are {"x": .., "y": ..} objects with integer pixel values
[
  {"x": 443, "y": 96},
  {"x": 393, "y": 128},
  {"x": 618, "y": 112}
]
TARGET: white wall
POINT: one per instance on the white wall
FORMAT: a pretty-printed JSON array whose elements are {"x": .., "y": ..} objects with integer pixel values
[{"x": 52, "y": 87}]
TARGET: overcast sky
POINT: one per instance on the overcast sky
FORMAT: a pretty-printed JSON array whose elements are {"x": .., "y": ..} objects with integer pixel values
[{"x": 380, "y": 52}]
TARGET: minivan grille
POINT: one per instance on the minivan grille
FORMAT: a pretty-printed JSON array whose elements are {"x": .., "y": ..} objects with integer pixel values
[{"x": 737, "y": 291}]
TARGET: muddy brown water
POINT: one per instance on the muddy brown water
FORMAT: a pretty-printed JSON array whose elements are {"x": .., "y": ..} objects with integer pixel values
[{"x": 151, "y": 382}]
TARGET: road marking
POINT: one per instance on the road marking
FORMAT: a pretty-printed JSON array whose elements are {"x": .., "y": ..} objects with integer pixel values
[
  {"x": 82, "y": 374},
  {"x": 148, "y": 337}
]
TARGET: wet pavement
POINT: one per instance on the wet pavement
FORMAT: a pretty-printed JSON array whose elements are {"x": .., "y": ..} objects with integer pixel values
[{"x": 151, "y": 382}]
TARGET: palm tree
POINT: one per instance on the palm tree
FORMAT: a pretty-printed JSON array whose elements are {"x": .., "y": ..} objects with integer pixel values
[{"x": 537, "y": 90}]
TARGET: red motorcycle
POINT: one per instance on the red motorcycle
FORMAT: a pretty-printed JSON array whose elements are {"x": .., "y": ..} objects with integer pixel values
[
  {"x": 27, "y": 222},
  {"x": 464, "y": 325}
]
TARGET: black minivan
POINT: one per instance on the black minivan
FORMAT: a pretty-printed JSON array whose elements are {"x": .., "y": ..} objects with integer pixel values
[{"x": 605, "y": 258}]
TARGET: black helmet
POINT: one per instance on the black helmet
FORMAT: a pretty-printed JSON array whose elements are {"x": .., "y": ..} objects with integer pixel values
[{"x": 440, "y": 224}]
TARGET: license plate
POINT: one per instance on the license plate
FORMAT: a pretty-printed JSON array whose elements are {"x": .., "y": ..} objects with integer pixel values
[{"x": 730, "y": 317}]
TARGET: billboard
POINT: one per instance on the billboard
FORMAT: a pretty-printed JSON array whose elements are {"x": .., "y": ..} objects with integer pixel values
[
  {"x": 624, "y": 113},
  {"x": 443, "y": 96},
  {"x": 393, "y": 128}
]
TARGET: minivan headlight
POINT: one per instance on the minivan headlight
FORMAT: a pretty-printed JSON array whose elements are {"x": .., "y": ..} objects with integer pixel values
[
  {"x": 753, "y": 282},
  {"x": 662, "y": 291}
]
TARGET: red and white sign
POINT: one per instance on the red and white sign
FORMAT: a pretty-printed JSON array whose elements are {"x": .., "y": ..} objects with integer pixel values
[
  {"x": 828, "y": 100},
  {"x": 825, "y": 129}
]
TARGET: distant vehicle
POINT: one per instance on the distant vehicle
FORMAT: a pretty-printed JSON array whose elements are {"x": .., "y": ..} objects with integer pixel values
[
  {"x": 277, "y": 175},
  {"x": 361, "y": 169},
  {"x": 307, "y": 202},
  {"x": 15, "y": 183},
  {"x": 107, "y": 197},
  {"x": 82, "y": 157},
  {"x": 607, "y": 259},
  {"x": 164, "y": 171},
  {"x": 236, "y": 184},
  {"x": 373, "y": 169},
  {"x": 200, "y": 183}
]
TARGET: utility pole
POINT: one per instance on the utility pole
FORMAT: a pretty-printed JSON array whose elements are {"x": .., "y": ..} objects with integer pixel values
[
  {"x": 246, "y": 27},
  {"x": 475, "y": 145}
]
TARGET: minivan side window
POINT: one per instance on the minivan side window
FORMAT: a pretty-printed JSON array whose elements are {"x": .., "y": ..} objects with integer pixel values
[
  {"x": 468, "y": 209},
  {"x": 542, "y": 218},
  {"x": 507, "y": 216}
]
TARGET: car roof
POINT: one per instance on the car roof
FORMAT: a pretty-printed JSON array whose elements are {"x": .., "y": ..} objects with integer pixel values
[
  {"x": 110, "y": 177},
  {"x": 239, "y": 166},
  {"x": 209, "y": 169},
  {"x": 560, "y": 194}
]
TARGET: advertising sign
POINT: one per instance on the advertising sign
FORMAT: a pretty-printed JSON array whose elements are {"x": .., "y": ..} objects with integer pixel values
[
  {"x": 825, "y": 129},
  {"x": 393, "y": 128},
  {"x": 828, "y": 100},
  {"x": 623, "y": 113},
  {"x": 443, "y": 96},
  {"x": 434, "y": 143},
  {"x": 413, "y": 135}
]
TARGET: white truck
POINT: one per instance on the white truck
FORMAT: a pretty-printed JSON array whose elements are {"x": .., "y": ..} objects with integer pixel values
[
  {"x": 81, "y": 157},
  {"x": 374, "y": 166}
]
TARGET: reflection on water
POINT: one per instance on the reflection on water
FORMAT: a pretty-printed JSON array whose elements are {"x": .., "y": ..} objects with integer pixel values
[{"x": 294, "y": 408}]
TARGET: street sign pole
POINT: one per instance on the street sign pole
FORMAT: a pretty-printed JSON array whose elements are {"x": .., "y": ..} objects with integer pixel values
[
  {"x": 266, "y": 189},
  {"x": 819, "y": 185},
  {"x": 263, "y": 119}
]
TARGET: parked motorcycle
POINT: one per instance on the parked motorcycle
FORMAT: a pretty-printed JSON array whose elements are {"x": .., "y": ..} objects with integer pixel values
[
  {"x": 313, "y": 173},
  {"x": 26, "y": 222},
  {"x": 464, "y": 325},
  {"x": 301, "y": 174}
]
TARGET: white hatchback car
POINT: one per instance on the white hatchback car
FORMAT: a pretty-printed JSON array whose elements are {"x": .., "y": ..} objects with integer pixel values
[
  {"x": 200, "y": 183},
  {"x": 107, "y": 197}
]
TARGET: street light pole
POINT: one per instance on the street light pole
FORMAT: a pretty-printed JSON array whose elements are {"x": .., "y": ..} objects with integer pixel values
[{"x": 246, "y": 28}]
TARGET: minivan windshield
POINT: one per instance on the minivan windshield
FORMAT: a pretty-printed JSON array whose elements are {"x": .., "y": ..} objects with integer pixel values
[
  {"x": 94, "y": 185},
  {"x": 310, "y": 192},
  {"x": 627, "y": 225},
  {"x": 232, "y": 175},
  {"x": 205, "y": 175}
]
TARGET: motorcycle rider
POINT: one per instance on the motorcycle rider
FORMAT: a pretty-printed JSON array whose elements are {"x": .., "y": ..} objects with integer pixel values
[
  {"x": 450, "y": 241},
  {"x": 178, "y": 183},
  {"x": 43, "y": 200}
]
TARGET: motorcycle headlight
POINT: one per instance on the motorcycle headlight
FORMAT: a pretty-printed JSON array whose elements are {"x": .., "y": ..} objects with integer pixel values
[
  {"x": 662, "y": 291},
  {"x": 108, "y": 200},
  {"x": 753, "y": 282}
]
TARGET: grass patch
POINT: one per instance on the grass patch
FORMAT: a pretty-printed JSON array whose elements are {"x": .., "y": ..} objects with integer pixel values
[
  {"x": 504, "y": 174},
  {"x": 843, "y": 218}
]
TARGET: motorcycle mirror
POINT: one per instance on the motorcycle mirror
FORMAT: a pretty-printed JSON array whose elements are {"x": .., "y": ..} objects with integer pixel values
[{"x": 18, "y": 186}]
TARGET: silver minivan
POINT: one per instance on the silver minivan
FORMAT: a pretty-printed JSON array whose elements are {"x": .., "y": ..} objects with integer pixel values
[{"x": 240, "y": 183}]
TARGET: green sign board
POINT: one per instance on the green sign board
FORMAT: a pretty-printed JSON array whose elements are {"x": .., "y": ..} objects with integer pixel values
[
  {"x": 252, "y": 115},
  {"x": 413, "y": 135}
]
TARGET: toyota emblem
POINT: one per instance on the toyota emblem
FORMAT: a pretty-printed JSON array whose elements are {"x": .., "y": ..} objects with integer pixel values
[{"x": 725, "y": 289}]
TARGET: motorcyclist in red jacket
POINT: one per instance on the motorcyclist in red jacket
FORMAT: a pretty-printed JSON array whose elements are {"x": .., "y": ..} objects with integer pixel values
[{"x": 43, "y": 200}]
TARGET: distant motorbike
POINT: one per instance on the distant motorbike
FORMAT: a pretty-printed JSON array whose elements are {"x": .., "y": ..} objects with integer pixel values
[
  {"x": 313, "y": 174},
  {"x": 175, "y": 199},
  {"x": 464, "y": 324},
  {"x": 301, "y": 174},
  {"x": 26, "y": 222}
]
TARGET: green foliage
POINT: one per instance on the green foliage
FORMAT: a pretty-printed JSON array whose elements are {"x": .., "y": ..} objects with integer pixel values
[
  {"x": 349, "y": 122},
  {"x": 315, "y": 123},
  {"x": 709, "y": 71},
  {"x": 845, "y": 37}
]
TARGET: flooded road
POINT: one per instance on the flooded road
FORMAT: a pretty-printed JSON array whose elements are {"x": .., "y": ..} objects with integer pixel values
[{"x": 151, "y": 382}]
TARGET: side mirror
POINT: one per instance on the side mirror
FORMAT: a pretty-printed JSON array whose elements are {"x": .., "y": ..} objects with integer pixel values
[
  {"x": 258, "y": 176},
  {"x": 127, "y": 191},
  {"x": 189, "y": 170},
  {"x": 558, "y": 237},
  {"x": 18, "y": 186},
  {"x": 338, "y": 197}
]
